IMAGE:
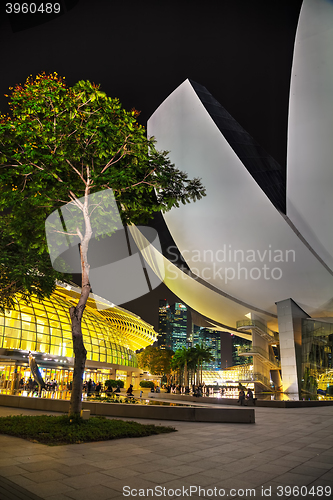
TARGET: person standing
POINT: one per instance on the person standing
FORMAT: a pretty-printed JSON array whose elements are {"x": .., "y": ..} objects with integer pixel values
[
  {"x": 241, "y": 397},
  {"x": 249, "y": 396}
]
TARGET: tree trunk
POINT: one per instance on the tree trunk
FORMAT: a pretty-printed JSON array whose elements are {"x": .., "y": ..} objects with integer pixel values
[
  {"x": 80, "y": 355},
  {"x": 185, "y": 374},
  {"x": 76, "y": 313}
]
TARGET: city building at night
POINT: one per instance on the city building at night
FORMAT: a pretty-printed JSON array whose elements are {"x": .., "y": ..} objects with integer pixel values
[
  {"x": 210, "y": 339},
  {"x": 176, "y": 326},
  {"x": 162, "y": 323}
]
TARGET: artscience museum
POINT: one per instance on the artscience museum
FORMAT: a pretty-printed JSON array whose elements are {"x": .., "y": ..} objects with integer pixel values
[{"x": 258, "y": 249}]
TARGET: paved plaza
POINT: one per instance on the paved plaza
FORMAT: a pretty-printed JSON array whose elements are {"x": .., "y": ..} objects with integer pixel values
[{"x": 286, "y": 450}]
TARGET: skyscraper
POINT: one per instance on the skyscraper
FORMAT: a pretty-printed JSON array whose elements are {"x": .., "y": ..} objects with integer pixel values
[
  {"x": 212, "y": 340},
  {"x": 176, "y": 326},
  {"x": 162, "y": 323}
]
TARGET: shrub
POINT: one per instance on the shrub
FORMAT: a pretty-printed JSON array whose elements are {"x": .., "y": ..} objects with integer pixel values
[
  {"x": 147, "y": 383},
  {"x": 114, "y": 383},
  {"x": 59, "y": 430}
]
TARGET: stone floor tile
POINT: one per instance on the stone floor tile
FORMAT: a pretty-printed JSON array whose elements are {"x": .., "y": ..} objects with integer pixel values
[
  {"x": 158, "y": 477},
  {"x": 98, "y": 492},
  {"x": 167, "y": 462},
  {"x": 183, "y": 470},
  {"x": 235, "y": 482},
  {"x": 85, "y": 481},
  {"x": 11, "y": 470},
  {"x": 45, "y": 476},
  {"x": 120, "y": 472},
  {"x": 328, "y": 476},
  {"x": 324, "y": 459},
  {"x": 217, "y": 474},
  {"x": 68, "y": 462},
  {"x": 39, "y": 466},
  {"x": 49, "y": 488},
  {"x": 292, "y": 479},
  {"x": 319, "y": 465},
  {"x": 135, "y": 482},
  {"x": 22, "y": 481},
  {"x": 320, "y": 445},
  {"x": 59, "y": 496},
  {"x": 199, "y": 480},
  {"x": 257, "y": 478},
  {"x": 28, "y": 459},
  {"x": 144, "y": 467}
]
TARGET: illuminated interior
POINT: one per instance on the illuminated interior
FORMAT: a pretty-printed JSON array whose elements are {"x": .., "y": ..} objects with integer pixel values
[{"x": 110, "y": 336}]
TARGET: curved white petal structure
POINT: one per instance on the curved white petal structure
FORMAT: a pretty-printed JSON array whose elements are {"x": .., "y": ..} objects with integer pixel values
[
  {"x": 235, "y": 239},
  {"x": 310, "y": 133}
]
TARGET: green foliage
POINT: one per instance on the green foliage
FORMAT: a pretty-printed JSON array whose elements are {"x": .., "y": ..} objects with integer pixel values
[
  {"x": 155, "y": 360},
  {"x": 190, "y": 358},
  {"x": 114, "y": 383},
  {"x": 24, "y": 268},
  {"x": 147, "y": 384},
  {"x": 58, "y": 144},
  {"x": 61, "y": 430},
  {"x": 54, "y": 135}
]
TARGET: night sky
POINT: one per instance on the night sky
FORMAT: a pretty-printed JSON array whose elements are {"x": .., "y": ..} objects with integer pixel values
[{"x": 140, "y": 51}]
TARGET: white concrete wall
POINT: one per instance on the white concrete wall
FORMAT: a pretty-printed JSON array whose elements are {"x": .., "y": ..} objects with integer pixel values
[
  {"x": 310, "y": 144},
  {"x": 236, "y": 215}
]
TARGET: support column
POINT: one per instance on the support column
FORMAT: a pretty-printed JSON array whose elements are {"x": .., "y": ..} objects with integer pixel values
[
  {"x": 290, "y": 317},
  {"x": 276, "y": 379}
]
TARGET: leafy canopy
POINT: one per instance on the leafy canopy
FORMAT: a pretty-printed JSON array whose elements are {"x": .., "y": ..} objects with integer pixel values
[
  {"x": 55, "y": 138},
  {"x": 155, "y": 360},
  {"x": 60, "y": 143}
]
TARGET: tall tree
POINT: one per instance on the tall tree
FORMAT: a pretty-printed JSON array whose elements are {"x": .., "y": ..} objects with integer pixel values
[
  {"x": 182, "y": 362},
  {"x": 62, "y": 144},
  {"x": 201, "y": 354},
  {"x": 155, "y": 360}
]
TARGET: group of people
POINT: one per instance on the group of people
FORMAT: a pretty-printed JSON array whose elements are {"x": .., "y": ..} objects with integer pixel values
[
  {"x": 90, "y": 387},
  {"x": 249, "y": 397},
  {"x": 31, "y": 385}
]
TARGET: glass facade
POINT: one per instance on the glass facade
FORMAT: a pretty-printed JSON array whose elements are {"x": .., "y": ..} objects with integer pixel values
[
  {"x": 110, "y": 336},
  {"x": 212, "y": 340},
  {"x": 162, "y": 323},
  {"x": 238, "y": 344},
  {"x": 176, "y": 334},
  {"x": 317, "y": 353}
]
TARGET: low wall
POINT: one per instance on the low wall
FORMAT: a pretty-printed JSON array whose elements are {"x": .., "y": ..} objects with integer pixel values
[
  {"x": 189, "y": 414},
  {"x": 230, "y": 401}
]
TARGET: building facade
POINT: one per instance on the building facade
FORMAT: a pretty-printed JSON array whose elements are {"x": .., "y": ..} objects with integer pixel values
[
  {"x": 210, "y": 339},
  {"x": 176, "y": 326},
  {"x": 111, "y": 336}
]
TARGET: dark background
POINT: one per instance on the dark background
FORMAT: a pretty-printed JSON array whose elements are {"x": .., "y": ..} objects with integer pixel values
[{"x": 140, "y": 51}]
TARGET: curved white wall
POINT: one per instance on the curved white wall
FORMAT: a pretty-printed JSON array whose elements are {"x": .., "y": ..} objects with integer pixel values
[
  {"x": 310, "y": 134},
  {"x": 235, "y": 212}
]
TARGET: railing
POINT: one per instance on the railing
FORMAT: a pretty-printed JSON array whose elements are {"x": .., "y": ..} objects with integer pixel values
[
  {"x": 258, "y": 350},
  {"x": 257, "y": 377},
  {"x": 251, "y": 324}
]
